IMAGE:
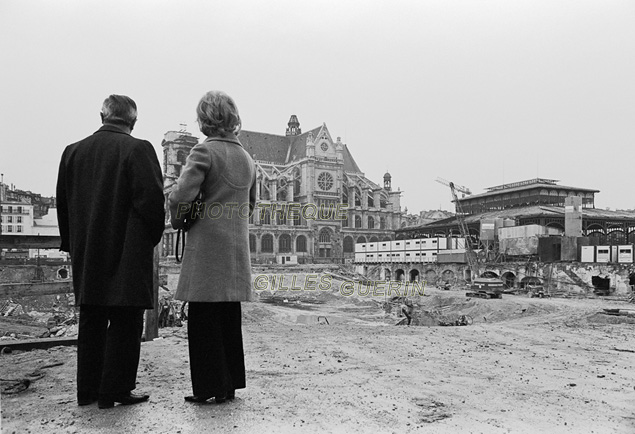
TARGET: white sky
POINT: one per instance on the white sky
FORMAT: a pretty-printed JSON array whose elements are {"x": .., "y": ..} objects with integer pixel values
[{"x": 477, "y": 92}]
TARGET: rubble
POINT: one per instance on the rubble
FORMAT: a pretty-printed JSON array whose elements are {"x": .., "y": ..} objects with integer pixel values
[{"x": 9, "y": 308}]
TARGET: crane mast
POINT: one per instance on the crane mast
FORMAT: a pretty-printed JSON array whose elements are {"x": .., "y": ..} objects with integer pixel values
[
  {"x": 469, "y": 247},
  {"x": 482, "y": 287}
]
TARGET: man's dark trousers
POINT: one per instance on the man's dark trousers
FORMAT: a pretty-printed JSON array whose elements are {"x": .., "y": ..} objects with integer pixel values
[{"x": 108, "y": 349}]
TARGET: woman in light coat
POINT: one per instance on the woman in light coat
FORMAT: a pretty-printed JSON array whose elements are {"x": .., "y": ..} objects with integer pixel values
[{"x": 216, "y": 268}]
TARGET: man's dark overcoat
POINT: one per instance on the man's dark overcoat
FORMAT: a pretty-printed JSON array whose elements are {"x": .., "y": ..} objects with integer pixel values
[{"x": 111, "y": 215}]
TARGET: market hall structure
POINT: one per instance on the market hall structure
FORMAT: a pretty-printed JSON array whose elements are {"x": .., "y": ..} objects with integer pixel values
[{"x": 532, "y": 202}]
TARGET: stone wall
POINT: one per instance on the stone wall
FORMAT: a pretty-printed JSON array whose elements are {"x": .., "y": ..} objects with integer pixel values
[{"x": 567, "y": 278}]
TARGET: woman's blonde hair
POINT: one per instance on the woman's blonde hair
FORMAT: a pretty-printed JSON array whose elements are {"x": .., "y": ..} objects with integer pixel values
[{"x": 217, "y": 114}]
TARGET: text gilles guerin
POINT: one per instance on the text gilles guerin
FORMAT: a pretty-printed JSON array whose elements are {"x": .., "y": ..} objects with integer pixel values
[{"x": 323, "y": 282}]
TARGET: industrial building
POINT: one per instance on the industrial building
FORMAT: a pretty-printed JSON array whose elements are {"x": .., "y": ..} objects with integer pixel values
[{"x": 536, "y": 201}]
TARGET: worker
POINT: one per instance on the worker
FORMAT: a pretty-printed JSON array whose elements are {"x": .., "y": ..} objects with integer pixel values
[{"x": 407, "y": 308}]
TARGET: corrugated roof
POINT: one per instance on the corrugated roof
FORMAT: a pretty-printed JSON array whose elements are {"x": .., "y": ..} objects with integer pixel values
[
  {"x": 528, "y": 212},
  {"x": 528, "y": 187}
]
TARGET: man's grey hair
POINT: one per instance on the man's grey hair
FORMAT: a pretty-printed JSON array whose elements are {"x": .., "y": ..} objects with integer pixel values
[
  {"x": 119, "y": 109},
  {"x": 217, "y": 114}
]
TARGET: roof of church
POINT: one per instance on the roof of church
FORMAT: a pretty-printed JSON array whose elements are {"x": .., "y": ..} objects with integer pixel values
[
  {"x": 265, "y": 147},
  {"x": 298, "y": 144},
  {"x": 285, "y": 149},
  {"x": 349, "y": 162}
]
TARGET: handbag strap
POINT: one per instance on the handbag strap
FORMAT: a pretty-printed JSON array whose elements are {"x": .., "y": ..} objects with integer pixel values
[{"x": 176, "y": 247}]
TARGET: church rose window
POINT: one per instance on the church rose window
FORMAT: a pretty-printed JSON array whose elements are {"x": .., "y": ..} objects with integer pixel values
[
  {"x": 325, "y": 181},
  {"x": 324, "y": 147}
]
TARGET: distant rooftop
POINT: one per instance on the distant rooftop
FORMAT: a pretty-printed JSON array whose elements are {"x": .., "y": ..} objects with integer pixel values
[
  {"x": 526, "y": 185},
  {"x": 523, "y": 183}
]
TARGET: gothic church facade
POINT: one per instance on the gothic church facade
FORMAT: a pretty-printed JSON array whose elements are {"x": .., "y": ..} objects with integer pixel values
[{"x": 303, "y": 180}]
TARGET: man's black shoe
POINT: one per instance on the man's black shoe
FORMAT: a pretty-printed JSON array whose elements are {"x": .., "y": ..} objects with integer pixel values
[{"x": 108, "y": 401}]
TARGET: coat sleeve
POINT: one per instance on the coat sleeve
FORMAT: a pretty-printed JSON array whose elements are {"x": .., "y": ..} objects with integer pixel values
[
  {"x": 144, "y": 173},
  {"x": 189, "y": 183},
  {"x": 62, "y": 206},
  {"x": 252, "y": 195}
]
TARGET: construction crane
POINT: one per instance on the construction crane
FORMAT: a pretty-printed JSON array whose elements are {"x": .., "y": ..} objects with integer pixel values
[
  {"x": 483, "y": 287},
  {"x": 464, "y": 190}
]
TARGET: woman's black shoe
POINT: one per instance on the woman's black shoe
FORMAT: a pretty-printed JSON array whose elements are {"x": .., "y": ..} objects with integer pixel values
[
  {"x": 108, "y": 401},
  {"x": 220, "y": 399},
  {"x": 86, "y": 398},
  {"x": 231, "y": 394},
  {"x": 195, "y": 398}
]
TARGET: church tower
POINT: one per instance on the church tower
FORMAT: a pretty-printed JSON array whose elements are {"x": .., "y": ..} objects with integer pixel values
[
  {"x": 387, "y": 181},
  {"x": 293, "y": 127}
]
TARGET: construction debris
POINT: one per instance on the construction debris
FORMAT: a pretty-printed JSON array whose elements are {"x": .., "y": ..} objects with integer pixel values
[
  {"x": 619, "y": 312},
  {"x": 17, "y": 385},
  {"x": 624, "y": 350},
  {"x": 9, "y": 308}
]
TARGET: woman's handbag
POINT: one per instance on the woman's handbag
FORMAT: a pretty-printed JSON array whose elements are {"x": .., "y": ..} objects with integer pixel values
[{"x": 196, "y": 211}]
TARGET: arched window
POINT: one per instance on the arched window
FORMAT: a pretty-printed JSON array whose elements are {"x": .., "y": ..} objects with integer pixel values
[
  {"x": 252, "y": 243},
  {"x": 373, "y": 240},
  {"x": 265, "y": 217},
  {"x": 358, "y": 222},
  {"x": 300, "y": 243},
  {"x": 371, "y": 201},
  {"x": 358, "y": 197},
  {"x": 264, "y": 191},
  {"x": 325, "y": 235},
  {"x": 345, "y": 221},
  {"x": 383, "y": 200},
  {"x": 284, "y": 243},
  {"x": 371, "y": 223},
  {"x": 361, "y": 239},
  {"x": 349, "y": 246},
  {"x": 281, "y": 216},
  {"x": 266, "y": 243}
]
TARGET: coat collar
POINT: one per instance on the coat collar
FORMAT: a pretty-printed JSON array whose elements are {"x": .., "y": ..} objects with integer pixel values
[
  {"x": 112, "y": 128},
  {"x": 231, "y": 138}
]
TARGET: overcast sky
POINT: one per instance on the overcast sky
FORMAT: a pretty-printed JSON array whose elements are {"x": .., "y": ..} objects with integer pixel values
[{"x": 477, "y": 92}]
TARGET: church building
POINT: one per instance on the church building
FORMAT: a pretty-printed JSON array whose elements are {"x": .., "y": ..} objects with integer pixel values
[{"x": 314, "y": 202}]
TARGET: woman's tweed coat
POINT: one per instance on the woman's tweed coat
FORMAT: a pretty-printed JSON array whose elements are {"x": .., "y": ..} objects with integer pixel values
[{"x": 216, "y": 263}]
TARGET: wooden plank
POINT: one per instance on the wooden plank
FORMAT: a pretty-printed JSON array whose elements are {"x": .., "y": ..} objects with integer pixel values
[
  {"x": 37, "y": 344},
  {"x": 30, "y": 241},
  {"x": 36, "y": 288},
  {"x": 152, "y": 315}
]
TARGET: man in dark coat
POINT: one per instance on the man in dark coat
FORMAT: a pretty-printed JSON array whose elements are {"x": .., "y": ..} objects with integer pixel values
[{"x": 111, "y": 215}]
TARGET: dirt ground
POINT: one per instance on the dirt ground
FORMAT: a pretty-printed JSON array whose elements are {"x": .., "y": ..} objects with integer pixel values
[{"x": 318, "y": 361}]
